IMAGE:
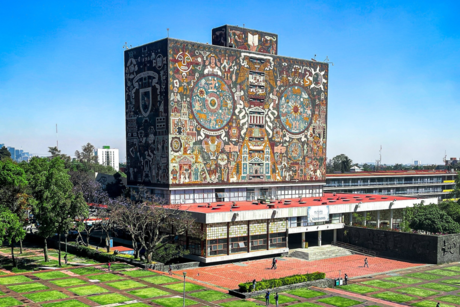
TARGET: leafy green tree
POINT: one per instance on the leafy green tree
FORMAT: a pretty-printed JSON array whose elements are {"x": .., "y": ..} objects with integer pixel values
[
  {"x": 55, "y": 152},
  {"x": 452, "y": 209},
  {"x": 54, "y": 205},
  {"x": 11, "y": 230},
  {"x": 13, "y": 197},
  {"x": 86, "y": 155},
  {"x": 339, "y": 163},
  {"x": 431, "y": 218},
  {"x": 4, "y": 153}
]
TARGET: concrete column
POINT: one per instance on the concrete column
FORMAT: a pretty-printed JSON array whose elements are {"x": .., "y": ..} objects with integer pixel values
[
  {"x": 319, "y": 238},
  {"x": 391, "y": 218},
  {"x": 249, "y": 236},
  {"x": 378, "y": 219},
  {"x": 351, "y": 219},
  {"x": 303, "y": 239},
  {"x": 334, "y": 236},
  {"x": 365, "y": 218}
]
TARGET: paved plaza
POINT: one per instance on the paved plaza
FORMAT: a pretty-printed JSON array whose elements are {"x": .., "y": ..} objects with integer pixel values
[{"x": 228, "y": 276}]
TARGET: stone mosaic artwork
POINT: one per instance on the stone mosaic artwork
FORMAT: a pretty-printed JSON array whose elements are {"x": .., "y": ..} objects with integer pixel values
[{"x": 206, "y": 115}]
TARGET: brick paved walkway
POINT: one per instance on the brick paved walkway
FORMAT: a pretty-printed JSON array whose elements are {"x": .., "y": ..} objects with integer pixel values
[{"x": 228, "y": 276}]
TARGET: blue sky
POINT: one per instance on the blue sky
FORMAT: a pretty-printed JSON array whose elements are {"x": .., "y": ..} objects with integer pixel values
[{"x": 395, "y": 80}]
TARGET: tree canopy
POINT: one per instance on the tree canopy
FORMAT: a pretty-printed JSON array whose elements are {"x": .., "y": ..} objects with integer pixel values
[
  {"x": 4, "y": 153},
  {"x": 340, "y": 163},
  {"x": 432, "y": 219}
]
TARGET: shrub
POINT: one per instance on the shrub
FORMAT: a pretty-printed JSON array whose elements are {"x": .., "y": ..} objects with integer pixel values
[{"x": 278, "y": 282}]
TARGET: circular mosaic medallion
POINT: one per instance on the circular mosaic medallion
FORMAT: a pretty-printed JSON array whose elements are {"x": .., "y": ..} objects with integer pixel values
[
  {"x": 295, "y": 150},
  {"x": 295, "y": 109},
  {"x": 212, "y": 103},
  {"x": 176, "y": 144}
]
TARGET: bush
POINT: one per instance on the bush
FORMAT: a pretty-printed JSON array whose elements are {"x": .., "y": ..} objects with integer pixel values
[{"x": 274, "y": 283}]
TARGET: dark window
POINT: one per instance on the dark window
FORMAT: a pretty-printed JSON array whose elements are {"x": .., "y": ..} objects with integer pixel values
[
  {"x": 258, "y": 242},
  {"x": 278, "y": 240},
  {"x": 194, "y": 246},
  {"x": 238, "y": 245},
  {"x": 217, "y": 247}
]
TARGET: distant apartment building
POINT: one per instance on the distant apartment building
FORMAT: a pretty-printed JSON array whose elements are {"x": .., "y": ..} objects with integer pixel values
[
  {"x": 109, "y": 157},
  {"x": 12, "y": 152},
  {"x": 423, "y": 183}
]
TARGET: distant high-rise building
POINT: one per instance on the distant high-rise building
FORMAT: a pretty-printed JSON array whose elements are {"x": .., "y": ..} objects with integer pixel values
[
  {"x": 417, "y": 162},
  {"x": 107, "y": 156},
  {"x": 12, "y": 152}
]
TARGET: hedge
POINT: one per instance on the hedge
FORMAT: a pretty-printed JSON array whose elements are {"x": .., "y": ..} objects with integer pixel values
[{"x": 278, "y": 282}]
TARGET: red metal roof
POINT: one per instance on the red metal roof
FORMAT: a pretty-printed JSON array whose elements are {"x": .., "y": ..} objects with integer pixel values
[
  {"x": 390, "y": 173},
  {"x": 327, "y": 199}
]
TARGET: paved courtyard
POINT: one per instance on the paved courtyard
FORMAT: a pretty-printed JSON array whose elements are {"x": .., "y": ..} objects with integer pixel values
[{"x": 228, "y": 276}]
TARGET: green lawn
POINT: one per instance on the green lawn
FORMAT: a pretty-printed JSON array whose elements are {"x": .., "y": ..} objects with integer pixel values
[
  {"x": 210, "y": 295},
  {"x": 86, "y": 271},
  {"x": 117, "y": 266},
  {"x": 339, "y": 301},
  {"x": 148, "y": 293},
  {"x": 9, "y": 301},
  {"x": 45, "y": 296},
  {"x": 106, "y": 277},
  {"x": 174, "y": 302},
  {"x": 138, "y": 305},
  {"x": 281, "y": 300},
  {"x": 88, "y": 290},
  {"x": 443, "y": 272},
  {"x": 158, "y": 280},
  {"x": 358, "y": 289},
  {"x": 417, "y": 291},
  {"x": 307, "y": 304},
  {"x": 424, "y": 276},
  {"x": 69, "y": 303},
  {"x": 450, "y": 299},
  {"x": 393, "y": 297},
  {"x": 428, "y": 304},
  {"x": 1, "y": 293},
  {"x": 51, "y": 275},
  {"x": 139, "y": 273},
  {"x": 403, "y": 280},
  {"x": 126, "y": 284},
  {"x": 381, "y": 284},
  {"x": 69, "y": 282},
  {"x": 439, "y": 287},
  {"x": 14, "y": 280},
  {"x": 111, "y": 298},
  {"x": 28, "y": 287},
  {"x": 305, "y": 293},
  {"x": 180, "y": 287},
  {"x": 453, "y": 268},
  {"x": 451, "y": 281}
]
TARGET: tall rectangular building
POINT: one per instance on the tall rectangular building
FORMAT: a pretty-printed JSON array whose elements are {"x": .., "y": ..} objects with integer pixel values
[
  {"x": 12, "y": 151},
  {"x": 228, "y": 121},
  {"x": 109, "y": 157}
]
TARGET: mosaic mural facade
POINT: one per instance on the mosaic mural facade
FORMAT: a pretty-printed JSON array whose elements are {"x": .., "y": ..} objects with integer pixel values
[{"x": 216, "y": 116}]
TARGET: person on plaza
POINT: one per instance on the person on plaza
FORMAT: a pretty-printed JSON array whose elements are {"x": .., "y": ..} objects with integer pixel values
[
  {"x": 438, "y": 305},
  {"x": 276, "y": 299},
  {"x": 366, "y": 263},
  {"x": 276, "y": 262},
  {"x": 253, "y": 285},
  {"x": 267, "y": 298},
  {"x": 273, "y": 263},
  {"x": 346, "y": 279},
  {"x": 170, "y": 270},
  {"x": 108, "y": 265},
  {"x": 65, "y": 258}
]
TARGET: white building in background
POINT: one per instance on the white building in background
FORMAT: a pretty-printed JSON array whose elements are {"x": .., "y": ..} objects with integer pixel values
[{"x": 107, "y": 156}]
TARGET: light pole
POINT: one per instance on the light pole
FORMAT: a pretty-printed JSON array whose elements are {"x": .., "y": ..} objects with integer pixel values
[{"x": 185, "y": 274}]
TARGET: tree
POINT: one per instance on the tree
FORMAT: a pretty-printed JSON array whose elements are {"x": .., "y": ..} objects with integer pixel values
[
  {"x": 54, "y": 205},
  {"x": 13, "y": 197},
  {"x": 432, "y": 219},
  {"x": 86, "y": 155},
  {"x": 55, "y": 152},
  {"x": 11, "y": 230},
  {"x": 339, "y": 163},
  {"x": 117, "y": 188},
  {"x": 452, "y": 209},
  {"x": 4, "y": 153}
]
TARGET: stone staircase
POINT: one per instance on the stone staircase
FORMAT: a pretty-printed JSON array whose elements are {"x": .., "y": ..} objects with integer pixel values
[
  {"x": 319, "y": 252},
  {"x": 356, "y": 249}
]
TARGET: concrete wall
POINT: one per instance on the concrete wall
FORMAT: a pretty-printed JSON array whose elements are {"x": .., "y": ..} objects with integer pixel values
[{"x": 413, "y": 247}]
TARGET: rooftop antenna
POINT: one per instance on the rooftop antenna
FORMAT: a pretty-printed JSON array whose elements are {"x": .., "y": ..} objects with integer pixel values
[
  {"x": 243, "y": 25},
  {"x": 379, "y": 161},
  {"x": 57, "y": 138},
  {"x": 445, "y": 158},
  {"x": 167, "y": 29},
  {"x": 326, "y": 60}
]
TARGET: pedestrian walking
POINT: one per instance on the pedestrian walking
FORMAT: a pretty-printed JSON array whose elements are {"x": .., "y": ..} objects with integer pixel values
[
  {"x": 170, "y": 270},
  {"x": 65, "y": 259},
  {"x": 276, "y": 299},
  {"x": 253, "y": 285},
  {"x": 276, "y": 262},
  {"x": 273, "y": 263},
  {"x": 438, "y": 305},
  {"x": 108, "y": 265},
  {"x": 267, "y": 298},
  {"x": 346, "y": 279},
  {"x": 365, "y": 262}
]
